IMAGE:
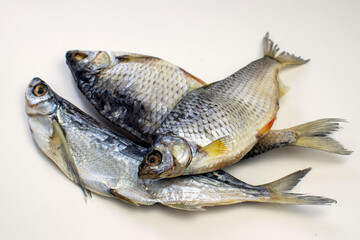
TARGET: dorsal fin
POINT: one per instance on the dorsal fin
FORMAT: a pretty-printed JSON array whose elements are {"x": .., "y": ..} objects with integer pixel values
[
  {"x": 130, "y": 57},
  {"x": 271, "y": 50}
]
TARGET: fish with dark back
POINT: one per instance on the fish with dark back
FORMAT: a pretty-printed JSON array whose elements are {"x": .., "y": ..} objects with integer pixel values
[{"x": 138, "y": 92}]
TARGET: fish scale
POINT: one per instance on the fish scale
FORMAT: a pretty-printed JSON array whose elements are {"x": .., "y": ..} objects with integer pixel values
[
  {"x": 106, "y": 164},
  {"x": 240, "y": 103},
  {"x": 137, "y": 103},
  {"x": 162, "y": 84},
  {"x": 231, "y": 115}
]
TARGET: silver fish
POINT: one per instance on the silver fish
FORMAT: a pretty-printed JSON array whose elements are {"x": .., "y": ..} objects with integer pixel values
[
  {"x": 133, "y": 91},
  {"x": 217, "y": 125},
  {"x": 117, "y": 84},
  {"x": 102, "y": 162}
]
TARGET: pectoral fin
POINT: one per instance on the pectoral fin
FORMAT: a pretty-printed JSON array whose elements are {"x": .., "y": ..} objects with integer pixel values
[
  {"x": 122, "y": 197},
  {"x": 217, "y": 147},
  {"x": 63, "y": 146}
]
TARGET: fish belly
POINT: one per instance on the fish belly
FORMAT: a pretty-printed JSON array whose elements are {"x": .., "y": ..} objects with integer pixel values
[{"x": 236, "y": 111}]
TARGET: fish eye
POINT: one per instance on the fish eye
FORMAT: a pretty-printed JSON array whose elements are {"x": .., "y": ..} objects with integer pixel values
[
  {"x": 153, "y": 158},
  {"x": 40, "y": 90},
  {"x": 80, "y": 56}
]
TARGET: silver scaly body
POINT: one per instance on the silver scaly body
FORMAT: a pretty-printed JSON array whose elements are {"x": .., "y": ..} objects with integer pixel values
[
  {"x": 133, "y": 91},
  {"x": 136, "y": 92},
  {"x": 102, "y": 162},
  {"x": 221, "y": 122}
]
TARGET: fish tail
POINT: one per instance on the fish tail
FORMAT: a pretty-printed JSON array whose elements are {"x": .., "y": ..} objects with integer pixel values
[
  {"x": 315, "y": 135},
  {"x": 278, "y": 191},
  {"x": 271, "y": 50}
]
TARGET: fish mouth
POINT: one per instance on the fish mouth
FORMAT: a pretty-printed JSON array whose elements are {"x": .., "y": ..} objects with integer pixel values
[
  {"x": 77, "y": 62},
  {"x": 69, "y": 55},
  {"x": 83, "y": 61},
  {"x": 29, "y": 106},
  {"x": 145, "y": 172},
  {"x": 73, "y": 55}
]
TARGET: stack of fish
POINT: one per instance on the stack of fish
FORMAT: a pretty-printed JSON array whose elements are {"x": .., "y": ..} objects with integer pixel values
[{"x": 186, "y": 130}]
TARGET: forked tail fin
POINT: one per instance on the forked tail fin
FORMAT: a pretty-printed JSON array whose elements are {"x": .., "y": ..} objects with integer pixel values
[
  {"x": 315, "y": 135},
  {"x": 280, "y": 187},
  {"x": 271, "y": 50}
]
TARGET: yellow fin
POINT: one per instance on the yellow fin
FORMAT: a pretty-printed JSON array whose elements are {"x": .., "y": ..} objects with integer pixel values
[
  {"x": 266, "y": 129},
  {"x": 215, "y": 148},
  {"x": 316, "y": 135}
]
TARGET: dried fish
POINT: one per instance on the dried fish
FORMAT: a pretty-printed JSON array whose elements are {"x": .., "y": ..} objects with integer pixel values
[{"x": 102, "y": 162}]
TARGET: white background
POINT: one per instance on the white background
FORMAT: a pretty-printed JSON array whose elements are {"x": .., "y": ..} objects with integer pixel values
[{"x": 211, "y": 40}]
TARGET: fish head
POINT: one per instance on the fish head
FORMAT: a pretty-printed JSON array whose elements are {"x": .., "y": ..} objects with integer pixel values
[
  {"x": 168, "y": 157},
  {"x": 85, "y": 64},
  {"x": 40, "y": 99},
  {"x": 41, "y": 107}
]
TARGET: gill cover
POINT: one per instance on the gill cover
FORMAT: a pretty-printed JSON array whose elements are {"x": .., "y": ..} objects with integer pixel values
[{"x": 169, "y": 157}]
